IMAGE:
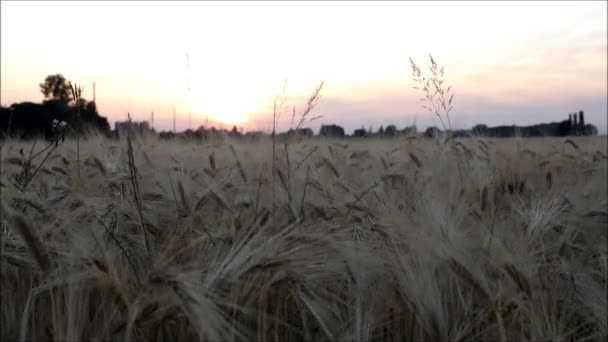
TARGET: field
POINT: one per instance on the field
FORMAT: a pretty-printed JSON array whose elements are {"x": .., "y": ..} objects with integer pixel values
[{"x": 404, "y": 239}]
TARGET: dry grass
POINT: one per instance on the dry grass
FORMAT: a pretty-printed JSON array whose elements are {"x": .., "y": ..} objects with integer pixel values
[{"x": 369, "y": 240}]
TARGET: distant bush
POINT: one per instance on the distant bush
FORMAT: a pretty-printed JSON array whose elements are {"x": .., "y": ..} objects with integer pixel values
[{"x": 331, "y": 131}]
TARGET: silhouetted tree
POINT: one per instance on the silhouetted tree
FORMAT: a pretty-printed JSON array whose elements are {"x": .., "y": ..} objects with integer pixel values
[
  {"x": 28, "y": 119},
  {"x": 590, "y": 130},
  {"x": 331, "y": 131},
  {"x": 301, "y": 132},
  {"x": 255, "y": 134},
  {"x": 234, "y": 132},
  {"x": 480, "y": 130},
  {"x": 565, "y": 127},
  {"x": 411, "y": 130},
  {"x": 56, "y": 87},
  {"x": 461, "y": 133},
  {"x": 166, "y": 135},
  {"x": 360, "y": 132},
  {"x": 391, "y": 130},
  {"x": 432, "y": 132}
]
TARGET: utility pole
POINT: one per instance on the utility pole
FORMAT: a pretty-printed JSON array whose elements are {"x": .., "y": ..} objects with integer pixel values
[
  {"x": 174, "y": 131},
  {"x": 94, "y": 92},
  {"x": 152, "y": 119},
  {"x": 188, "y": 87}
]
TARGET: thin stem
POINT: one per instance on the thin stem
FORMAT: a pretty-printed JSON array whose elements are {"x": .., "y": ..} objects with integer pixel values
[{"x": 37, "y": 169}]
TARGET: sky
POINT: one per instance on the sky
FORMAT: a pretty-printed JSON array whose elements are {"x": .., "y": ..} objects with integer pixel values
[{"x": 224, "y": 63}]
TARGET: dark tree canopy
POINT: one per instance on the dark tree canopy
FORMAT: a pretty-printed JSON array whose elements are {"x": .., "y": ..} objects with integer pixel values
[
  {"x": 360, "y": 132},
  {"x": 29, "y": 119},
  {"x": 56, "y": 87},
  {"x": 234, "y": 132},
  {"x": 303, "y": 132},
  {"x": 432, "y": 132},
  {"x": 331, "y": 131},
  {"x": 562, "y": 128},
  {"x": 390, "y": 130}
]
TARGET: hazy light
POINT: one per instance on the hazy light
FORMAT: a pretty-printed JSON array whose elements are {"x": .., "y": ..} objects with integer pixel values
[{"x": 510, "y": 54}]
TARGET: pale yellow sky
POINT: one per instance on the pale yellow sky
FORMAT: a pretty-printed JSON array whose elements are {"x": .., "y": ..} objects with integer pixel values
[{"x": 509, "y": 62}]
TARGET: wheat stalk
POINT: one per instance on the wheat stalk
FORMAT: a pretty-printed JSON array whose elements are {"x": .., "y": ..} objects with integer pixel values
[{"x": 34, "y": 242}]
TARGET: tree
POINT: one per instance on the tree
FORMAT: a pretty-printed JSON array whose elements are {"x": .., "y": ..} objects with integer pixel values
[
  {"x": 432, "y": 132},
  {"x": 234, "y": 132},
  {"x": 90, "y": 107},
  {"x": 360, "y": 132},
  {"x": 56, "y": 87},
  {"x": 390, "y": 130},
  {"x": 27, "y": 119},
  {"x": 331, "y": 131}
]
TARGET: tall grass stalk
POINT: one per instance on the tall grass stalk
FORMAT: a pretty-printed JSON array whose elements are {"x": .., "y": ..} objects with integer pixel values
[
  {"x": 438, "y": 101},
  {"x": 133, "y": 177},
  {"x": 77, "y": 97}
]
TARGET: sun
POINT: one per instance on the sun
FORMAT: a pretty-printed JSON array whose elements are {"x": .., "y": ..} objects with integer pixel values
[
  {"x": 229, "y": 105},
  {"x": 229, "y": 109}
]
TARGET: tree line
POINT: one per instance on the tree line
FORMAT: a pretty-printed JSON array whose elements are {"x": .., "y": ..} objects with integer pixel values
[{"x": 26, "y": 120}]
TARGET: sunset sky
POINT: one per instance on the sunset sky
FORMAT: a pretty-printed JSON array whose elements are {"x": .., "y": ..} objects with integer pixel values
[{"x": 513, "y": 62}]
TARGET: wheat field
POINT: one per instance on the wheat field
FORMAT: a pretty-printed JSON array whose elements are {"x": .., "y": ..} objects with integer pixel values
[{"x": 404, "y": 239}]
